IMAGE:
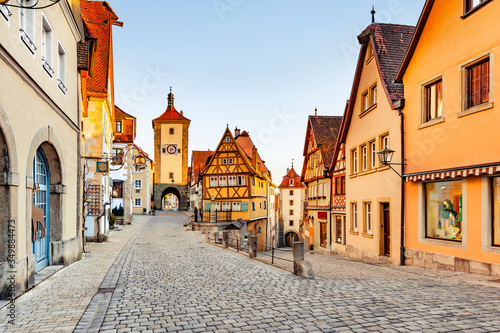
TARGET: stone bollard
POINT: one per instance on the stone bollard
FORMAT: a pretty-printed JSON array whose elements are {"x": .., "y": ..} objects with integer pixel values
[
  {"x": 207, "y": 237},
  {"x": 300, "y": 266},
  {"x": 252, "y": 246},
  {"x": 216, "y": 237},
  {"x": 225, "y": 239}
]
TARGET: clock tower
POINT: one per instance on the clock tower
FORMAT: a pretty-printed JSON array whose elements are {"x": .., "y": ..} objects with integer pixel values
[{"x": 171, "y": 135}]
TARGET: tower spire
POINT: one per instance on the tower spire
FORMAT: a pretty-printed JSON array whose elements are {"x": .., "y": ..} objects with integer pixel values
[
  {"x": 373, "y": 14},
  {"x": 170, "y": 98}
]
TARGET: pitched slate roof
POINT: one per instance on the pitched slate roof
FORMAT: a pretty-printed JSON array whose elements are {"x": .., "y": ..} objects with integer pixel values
[
  {"x": 97, "y": 16},
  {"x": 390, "y": 44},
  {"x": 83, "y": 49},
  {"x": 199, "y": 159},
  {"x": 247, "y": 145},
  {"x": 291, "y": 174},
  {"x": 325, "y": 130}
]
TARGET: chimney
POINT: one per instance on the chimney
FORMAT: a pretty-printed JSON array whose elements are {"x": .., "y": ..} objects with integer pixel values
[
  {"x": 254, "y": 157},
  {"x": 182, "y": 113},
  {"x": 236, "y": 132},
  {"x": 287, "y": 171}
]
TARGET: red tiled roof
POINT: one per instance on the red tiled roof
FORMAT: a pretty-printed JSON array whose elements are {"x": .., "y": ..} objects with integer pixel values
[
  {"x": 199, "y": 159},
  {"x": 296, "y": 180},
  {"x": 326, "y": 130},
  {"x": 247, "y": 145},
  {"x": 391, "y": 42},
  {"x": 97, "y": 16},
  {"x": 171, "y": 114}
]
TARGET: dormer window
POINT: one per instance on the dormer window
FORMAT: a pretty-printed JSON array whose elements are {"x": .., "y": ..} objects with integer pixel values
[{"x": 291, "y": 182}]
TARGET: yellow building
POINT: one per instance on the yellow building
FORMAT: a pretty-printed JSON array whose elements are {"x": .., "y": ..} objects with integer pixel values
[
  {"x": 235, "y": 186},
  {"x": 40, "y": 211},
  {"x": 319, "y": 146},
  {"x": 171, "y": 138},
  {"x": 373, "y": 191},
  {"x": 98, "y": 115}
]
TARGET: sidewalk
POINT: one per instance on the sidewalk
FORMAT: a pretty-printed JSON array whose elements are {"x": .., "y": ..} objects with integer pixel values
[
  {"x": 58, "y": 303},
  {"x": 340, "y": 267}
]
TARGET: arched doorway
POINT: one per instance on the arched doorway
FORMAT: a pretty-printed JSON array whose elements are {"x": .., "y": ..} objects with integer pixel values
[
  {"x": 170, "y": 199},
  {"x": 41, "y": 199},
  {"x": 291, "y": 237}
]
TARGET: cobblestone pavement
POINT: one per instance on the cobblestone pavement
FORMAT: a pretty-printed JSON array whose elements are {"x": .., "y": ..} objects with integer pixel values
[
  {"x": 58, "y": 303},
  {"x": 172, "y": 281}
]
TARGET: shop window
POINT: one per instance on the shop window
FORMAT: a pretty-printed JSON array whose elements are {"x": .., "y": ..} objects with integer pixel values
[
  {"x": 354, "y": 217},
  {"x": 496, "y": 211},
  {"x": 443, "y": 207},
  {"x": 323, "y": 241},
  {"x": 433, "y": 101}
]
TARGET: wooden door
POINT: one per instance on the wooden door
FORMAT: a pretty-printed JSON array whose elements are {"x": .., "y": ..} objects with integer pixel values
[{"x": 387, "y": 230}]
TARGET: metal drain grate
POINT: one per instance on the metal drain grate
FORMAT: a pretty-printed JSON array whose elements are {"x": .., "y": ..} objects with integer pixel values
[{"x": 106, "y": 290}]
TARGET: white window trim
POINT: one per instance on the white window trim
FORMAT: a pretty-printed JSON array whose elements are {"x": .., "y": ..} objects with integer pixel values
[
  {"x": 62, "y": 83},
  {"x": 354, "y": 208},
  {"x": 230, "y": 161},
  {"x": 47, "y": 64},
  {"x": 25, "y": 37},
  {"x": 140, "y": 184},
  {"x": 373, "y": 147},
  {"x": 368, "y": 217},
  {"x": 135, "y": 202}
]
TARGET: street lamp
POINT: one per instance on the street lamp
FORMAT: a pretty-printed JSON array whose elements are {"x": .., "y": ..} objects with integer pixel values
[
  {"x": 385, "y": 158},
  {"x": 28, "y": 6}
]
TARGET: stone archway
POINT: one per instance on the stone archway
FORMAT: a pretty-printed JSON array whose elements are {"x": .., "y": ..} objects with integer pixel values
[
  {"x": 46, "y": 140},
  {"x": 290, "y": 237},
  {"x": 9, "y": 195},
  {"x": 170, "y": 199}
]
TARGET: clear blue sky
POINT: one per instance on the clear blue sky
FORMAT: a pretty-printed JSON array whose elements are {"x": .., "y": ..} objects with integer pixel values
[{"x": 260, "y": 65}]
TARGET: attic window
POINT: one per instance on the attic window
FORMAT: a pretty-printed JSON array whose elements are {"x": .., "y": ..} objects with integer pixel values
[
  {"x": 228, "y": 139},
  {"x": 291, "y": 182},
  {"x": 472, "y": 5},
  {"x": 369, "y": 52},
  {"x": 171, "y": 131}
]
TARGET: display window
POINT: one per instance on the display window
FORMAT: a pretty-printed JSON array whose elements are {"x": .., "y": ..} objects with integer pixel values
[
  {"x": 322, "y": 235},
  {"x": 443, "y": 205},
  {"x": 496, "y": 211}
]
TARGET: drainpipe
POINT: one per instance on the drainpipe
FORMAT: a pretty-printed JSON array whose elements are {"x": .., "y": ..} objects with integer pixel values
[{"x": 402, "y": 117}]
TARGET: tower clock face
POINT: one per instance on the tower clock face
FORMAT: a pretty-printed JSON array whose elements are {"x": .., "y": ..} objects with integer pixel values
[{"x": 171, "y": 149}]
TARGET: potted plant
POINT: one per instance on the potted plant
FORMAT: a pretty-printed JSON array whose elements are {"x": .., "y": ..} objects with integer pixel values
[{"x": 311, "y": 248}]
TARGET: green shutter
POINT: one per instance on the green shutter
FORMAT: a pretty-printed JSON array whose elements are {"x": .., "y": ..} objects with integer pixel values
[
  {"x": 207, "y": 206},
  {"x": 244, "y": 206}
]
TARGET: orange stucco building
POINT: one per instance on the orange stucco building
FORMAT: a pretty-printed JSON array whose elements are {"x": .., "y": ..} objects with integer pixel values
[{"x": 452, "y": 206}]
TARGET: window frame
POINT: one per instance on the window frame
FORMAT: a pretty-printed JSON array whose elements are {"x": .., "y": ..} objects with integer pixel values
[
  {"x": 236, "y": 206},
  {"x": 354, "y": 216},
  {"x": 290, "y": 212},
  {"x": 27, "y": 28},
  {"x": 241, "y": 180},
  {"x": 47, "y": 50},
  {"x": 116, "y": 126},
  {"x": 364, "y": 157},
  {"x": 368, "y": 99},
  {"x": 291, "y": 192},
  {"x": 140, "y": 202},
  {"x": 465, "y": 67},
  {"x": 494, "y": 212},
  {"x": 138, "y": 181},
  {"x": 354, "y": 161},
  {"x": 6, "y": 13},
  {"x": 222, "y": 181},
  {"x": 373, "y": 154},
  {"x": 232, "y": 181},
  {"x": 469, "y": 9},
  {"x": 61, "y": 67},
  {"x": 367, "y": 218}
]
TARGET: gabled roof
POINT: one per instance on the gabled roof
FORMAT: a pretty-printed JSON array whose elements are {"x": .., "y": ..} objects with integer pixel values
[
  {"x": 236, "y": 225},
  {"x": 120, "y": 114},
  {"x": 414, "y": 41},
  {"x": 387, "y": 39},
  {"x": 98, "y": 17},
  {"x": 128, "y": 126},
  {"x": 247, "y": 145},
  {"x": 325, "y": 130},
  {"x": 199, "y": 159},
  {"x": 291, "y": 174},
  {"x": 390, "y": 43}
]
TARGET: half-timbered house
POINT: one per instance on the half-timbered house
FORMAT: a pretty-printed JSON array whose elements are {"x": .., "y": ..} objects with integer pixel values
[
  {"x": 319, "y": 146},
  {"x": 235, "y": 185}
]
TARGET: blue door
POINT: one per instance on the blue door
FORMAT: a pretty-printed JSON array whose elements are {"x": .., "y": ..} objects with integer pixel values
[{"x": 41, "y": 200}]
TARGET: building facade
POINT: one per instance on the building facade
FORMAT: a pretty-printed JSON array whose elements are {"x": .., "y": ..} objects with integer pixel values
[
  {"x": 199, "y": 159},
  {"x": 291, "y": 194},
  {"x": 452, "y": 193},
  {"x": 171, "y": 138},
  {"x": 319, "y": 146},
  {"x": 40, "y": 210},
  {"x": 370, "y": 125},
  {"x": 235, "y": 183},
  {"x": 98, "y": 115}
]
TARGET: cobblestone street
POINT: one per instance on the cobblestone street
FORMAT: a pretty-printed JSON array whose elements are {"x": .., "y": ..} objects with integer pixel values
[{"x": 167, "y": 279}]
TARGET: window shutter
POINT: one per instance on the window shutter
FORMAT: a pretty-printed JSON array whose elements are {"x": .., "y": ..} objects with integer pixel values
[
  {"x": 207, "y": 206},
  {"x": 244, "y": 206}
]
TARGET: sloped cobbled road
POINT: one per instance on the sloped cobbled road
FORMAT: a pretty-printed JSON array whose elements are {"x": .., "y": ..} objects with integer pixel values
[{"x": 171, "y": 281}]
